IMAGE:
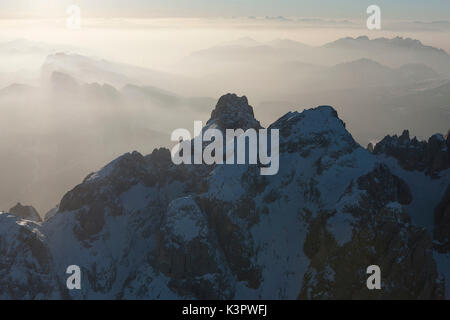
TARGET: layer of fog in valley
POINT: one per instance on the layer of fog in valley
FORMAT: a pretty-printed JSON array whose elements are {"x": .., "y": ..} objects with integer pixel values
[{"x": 71, "y": 101}]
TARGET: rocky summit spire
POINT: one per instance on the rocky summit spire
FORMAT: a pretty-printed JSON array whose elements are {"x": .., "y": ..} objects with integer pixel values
[
  {"x": 233, "y": 112},
  {"x": 25, "y": 212}
]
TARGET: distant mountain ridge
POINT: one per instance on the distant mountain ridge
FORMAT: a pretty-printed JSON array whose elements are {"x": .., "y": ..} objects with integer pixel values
[
  {"x": 397, "y": 42},
  {"x": 393, "y": 52},
  {"x": 91, "y": 69},
  {"x": 390, "y": 52}
]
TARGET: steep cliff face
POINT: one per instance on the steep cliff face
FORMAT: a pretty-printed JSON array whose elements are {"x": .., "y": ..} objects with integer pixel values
[
  {"x": 442, "y": 223},
  {"x": 145, "y": 228},
  {"x": 233, "y": 112},
  {"x": 26, "y": 264},
  {"x": 379, "y": 232}
]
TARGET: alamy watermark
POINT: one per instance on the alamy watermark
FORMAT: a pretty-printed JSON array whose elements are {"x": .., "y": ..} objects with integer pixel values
[
  {"x": 374, "y": 280},
  {"x": 236, "y": 148},
  {"x": 73, "y": 282},
  {"x": 73, "y": 21},
  {"x": 374, "y": 20}
]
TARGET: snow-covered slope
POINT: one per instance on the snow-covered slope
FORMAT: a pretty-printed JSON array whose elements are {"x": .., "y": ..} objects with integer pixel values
[
  {"x": 144, "y": 228},
  {"x": 26, "y": 264}
]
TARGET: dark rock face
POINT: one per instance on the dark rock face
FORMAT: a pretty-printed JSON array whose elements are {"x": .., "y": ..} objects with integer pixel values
[
  {"x": 233, "y": 112},
  {"x": 96, "y": 197},
  {"x": 231, "y": 229},
  {"x": 380, "y": 235},
  {"x": 406, "y": 262},
  {"x": 432, "y": 156},
  {"x": 187, "y": 252},
  {"x": 25, "y": 212},
  {"x": 26, "y": 265},
  {"x": 442, "y": 223},
  {"x": 448, "y": 138},
  {"x": 438, "y": 153},
  {"x": 383, "y": 187}
]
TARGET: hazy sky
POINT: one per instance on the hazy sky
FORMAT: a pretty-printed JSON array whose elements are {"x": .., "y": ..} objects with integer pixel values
[
  {"x": 159, "y": 43},
  {"x": 399, "y": 9}
]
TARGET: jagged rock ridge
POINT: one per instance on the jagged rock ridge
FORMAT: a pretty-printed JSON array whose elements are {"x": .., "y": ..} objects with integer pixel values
[
  {"x": 432, "y": 156},
  {"x": 144, "y": 228}
]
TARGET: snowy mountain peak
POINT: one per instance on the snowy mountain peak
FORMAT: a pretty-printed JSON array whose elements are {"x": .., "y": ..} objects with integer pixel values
[
  {"x": 118, "y": 166},
  {"x": 145, "y": 228},
  {"x": 318, "y": 127}
]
